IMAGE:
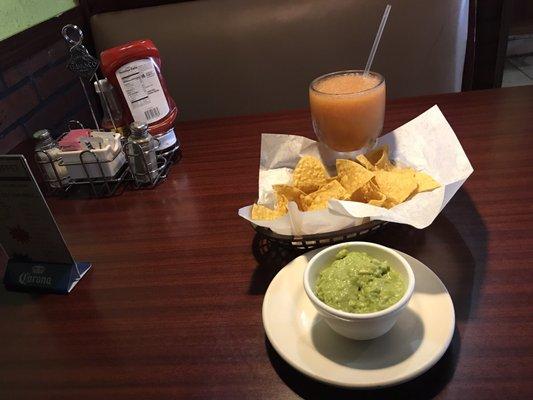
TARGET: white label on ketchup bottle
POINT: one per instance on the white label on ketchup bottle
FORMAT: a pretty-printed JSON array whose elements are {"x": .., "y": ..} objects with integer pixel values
[{"x": 142, "y": 90}]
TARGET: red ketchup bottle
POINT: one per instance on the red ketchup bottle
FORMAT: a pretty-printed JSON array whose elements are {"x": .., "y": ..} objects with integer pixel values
[{"x": 134, "y": 69}]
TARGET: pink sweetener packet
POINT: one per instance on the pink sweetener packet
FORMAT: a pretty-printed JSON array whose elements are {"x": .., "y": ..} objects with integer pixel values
[{"x": 71, "y": 141}]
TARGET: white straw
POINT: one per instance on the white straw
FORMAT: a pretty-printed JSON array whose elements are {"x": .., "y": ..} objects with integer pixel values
[{"x": 377, "y": 39}]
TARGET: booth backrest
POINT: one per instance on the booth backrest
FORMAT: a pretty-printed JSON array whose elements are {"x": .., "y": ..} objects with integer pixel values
[{"x": 234, "y": 57}]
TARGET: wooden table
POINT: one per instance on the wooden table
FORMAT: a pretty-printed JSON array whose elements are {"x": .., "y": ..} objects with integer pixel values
[{"x": 172, "y": 307}]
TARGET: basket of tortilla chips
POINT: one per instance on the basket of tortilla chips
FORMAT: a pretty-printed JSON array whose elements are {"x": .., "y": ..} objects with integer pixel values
[
  {"x": 371, "y": 178},
  {"x": 310, "y": 197}
]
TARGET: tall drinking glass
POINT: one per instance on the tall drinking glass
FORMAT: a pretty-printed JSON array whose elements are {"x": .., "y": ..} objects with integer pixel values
[{"x": 348, "y": 109}]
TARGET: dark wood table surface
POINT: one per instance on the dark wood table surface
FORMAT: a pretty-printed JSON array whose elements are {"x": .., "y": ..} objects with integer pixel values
[{"x": 172, "y": 306}]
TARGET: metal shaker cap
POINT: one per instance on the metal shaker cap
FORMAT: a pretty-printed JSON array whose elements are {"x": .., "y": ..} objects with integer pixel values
[
  {"x": 43, "y": 138},
  {"x": 138, "y": 128},
  {"x": 42, "y": 134}
]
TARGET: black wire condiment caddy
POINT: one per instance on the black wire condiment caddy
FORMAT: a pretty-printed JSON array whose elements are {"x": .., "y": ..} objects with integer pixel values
[{"x": 103, "y": 173}]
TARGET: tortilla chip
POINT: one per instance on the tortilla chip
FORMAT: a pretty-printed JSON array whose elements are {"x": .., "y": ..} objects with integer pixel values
[
  {"x": 290, "y": 193},
  {"x": 379, "y": 158},
  {"x": 397, "y": 184},
  {"x": 319, "y": 200},
  {"x": 378, "y": 202},
  {"x": 361, "y": 159},
  {"x": 281, "y": 206},
  {"x": 309, "y": 174},
  {"x": 425, "y": 182},
  {"x": 261, "y": 212},
  {"x": 369, "y": 191},
  {"x": 388, "y": 203},
  {"x": 352, "y": 175}
]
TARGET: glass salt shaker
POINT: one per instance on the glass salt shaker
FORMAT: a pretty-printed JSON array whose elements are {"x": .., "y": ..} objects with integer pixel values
[{"x": 48, "y": 156}]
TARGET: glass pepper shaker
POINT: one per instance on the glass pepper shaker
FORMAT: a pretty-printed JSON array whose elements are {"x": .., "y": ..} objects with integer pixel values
[{"x": 141, "y": 150}]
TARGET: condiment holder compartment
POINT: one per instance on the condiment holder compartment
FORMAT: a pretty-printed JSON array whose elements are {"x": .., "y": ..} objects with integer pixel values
[{"x": 96, "y": 163}]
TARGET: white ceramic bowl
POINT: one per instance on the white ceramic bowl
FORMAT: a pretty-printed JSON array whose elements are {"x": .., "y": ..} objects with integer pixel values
[{"x": 359, "y": 326}]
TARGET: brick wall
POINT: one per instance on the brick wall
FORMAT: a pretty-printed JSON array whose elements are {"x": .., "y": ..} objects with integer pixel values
[{"x": 39, "y": 93}]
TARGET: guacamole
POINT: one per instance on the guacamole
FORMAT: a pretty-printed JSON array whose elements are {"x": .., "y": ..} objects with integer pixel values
[{"x": 357, "y": 283}]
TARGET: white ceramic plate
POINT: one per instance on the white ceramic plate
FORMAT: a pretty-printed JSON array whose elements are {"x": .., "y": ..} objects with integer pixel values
[{"x": 417, "y": 341}]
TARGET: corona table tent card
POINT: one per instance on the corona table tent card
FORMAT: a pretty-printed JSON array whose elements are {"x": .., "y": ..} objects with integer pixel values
[{"x": 39, "y": 259}]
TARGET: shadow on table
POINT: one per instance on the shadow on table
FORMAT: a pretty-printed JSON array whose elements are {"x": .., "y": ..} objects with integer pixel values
[
  {"x": 271, "y": 259},
  {"x": 454, "y": 246},
  {"x": 425, "y": 386}
]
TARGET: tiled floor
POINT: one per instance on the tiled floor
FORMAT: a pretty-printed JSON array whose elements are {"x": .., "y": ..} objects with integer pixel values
[{"x": 518, "y": 71}]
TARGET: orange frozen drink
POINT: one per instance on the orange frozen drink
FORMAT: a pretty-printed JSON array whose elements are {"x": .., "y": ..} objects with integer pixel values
[{"x": 348, "y": 108}]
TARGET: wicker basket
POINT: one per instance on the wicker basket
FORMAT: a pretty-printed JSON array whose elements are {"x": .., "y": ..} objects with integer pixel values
[{"x": 309, "y": 242}]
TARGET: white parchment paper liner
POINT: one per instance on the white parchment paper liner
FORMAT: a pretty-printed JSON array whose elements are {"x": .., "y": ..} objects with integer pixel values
[{"x": 426, "y": 143}]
